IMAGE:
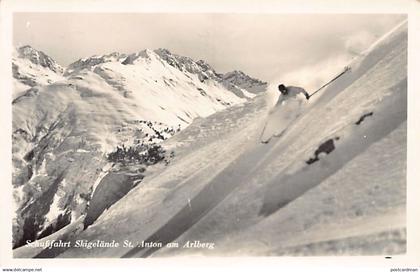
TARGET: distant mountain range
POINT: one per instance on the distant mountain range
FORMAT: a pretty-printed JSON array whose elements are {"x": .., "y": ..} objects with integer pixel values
[{"x": 66, "y": 120}]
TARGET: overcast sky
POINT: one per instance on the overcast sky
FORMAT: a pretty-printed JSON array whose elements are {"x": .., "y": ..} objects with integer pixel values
[{"x": 265, "y": 46}]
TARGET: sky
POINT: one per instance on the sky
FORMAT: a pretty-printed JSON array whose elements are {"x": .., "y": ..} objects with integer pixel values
[{"x": 270, "y": 47}]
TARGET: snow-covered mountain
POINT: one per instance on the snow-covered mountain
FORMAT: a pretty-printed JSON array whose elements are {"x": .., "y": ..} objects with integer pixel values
[
  {"x": 33, "y": 68},
  {"x": 237, "y": 82},
  {"x": 240, "y": 79},
  {"x": 89, "y": 63},
  {"x": 39, "y": 58},
  {"x": 333, "y": 183},
  {"x": 62, "y": 131}
]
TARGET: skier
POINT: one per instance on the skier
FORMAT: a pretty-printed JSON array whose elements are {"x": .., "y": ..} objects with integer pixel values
[
  {"x": 292, "y": 91},
  {"x": 287, "y": 109}
]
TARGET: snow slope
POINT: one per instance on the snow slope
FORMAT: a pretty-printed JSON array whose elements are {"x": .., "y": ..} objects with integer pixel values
[
  {"x": 333, "y": 183},
  {"x": 63, "y": 130}
]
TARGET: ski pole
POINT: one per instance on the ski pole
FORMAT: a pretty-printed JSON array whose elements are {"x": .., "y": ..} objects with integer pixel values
[{"x": 347, "y": 68}]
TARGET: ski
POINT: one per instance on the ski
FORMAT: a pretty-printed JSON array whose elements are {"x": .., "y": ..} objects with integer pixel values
[{"x": 263, "y": 130}]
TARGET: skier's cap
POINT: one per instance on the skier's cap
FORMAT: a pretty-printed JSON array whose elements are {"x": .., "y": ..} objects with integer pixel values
[{"x": 282, "y": 87}]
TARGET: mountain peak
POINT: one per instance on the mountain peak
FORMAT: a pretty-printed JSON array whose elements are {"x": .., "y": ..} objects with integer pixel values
[
  {"x": 88, "y": 63},
  {"x": 205, "y": 71},
  {"x": 204, "y": 65},
  {"x": 244, "y": 81},
  {"x": 162, "y": 51},
  {"x": 145, "y": 54},
  {"x": 235, "y": 80},
  {"x": 39, "y": 58}
]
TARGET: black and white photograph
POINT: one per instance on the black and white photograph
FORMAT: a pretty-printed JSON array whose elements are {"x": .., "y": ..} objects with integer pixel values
[{"x": 207, "y": 134}]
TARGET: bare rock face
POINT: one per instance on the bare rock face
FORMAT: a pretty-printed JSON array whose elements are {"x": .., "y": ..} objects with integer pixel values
[
  {"x": 240, "y": 79},
  {"x": 33, "y": 68},
  {"x": 235, "y": 81}
]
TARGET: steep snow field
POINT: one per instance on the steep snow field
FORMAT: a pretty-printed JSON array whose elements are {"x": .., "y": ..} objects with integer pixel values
[{"x": 333, "y": 183}]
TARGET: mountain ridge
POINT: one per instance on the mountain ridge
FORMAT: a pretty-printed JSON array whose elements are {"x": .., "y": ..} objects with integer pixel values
[
  {"x": 31, "y": 68},
  {"x": 39, "y": 58},
  {"x": 183, "y": 63}
]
